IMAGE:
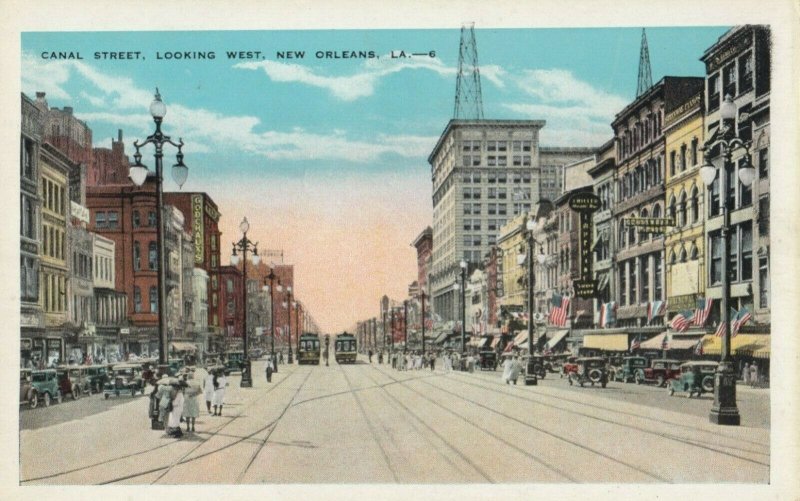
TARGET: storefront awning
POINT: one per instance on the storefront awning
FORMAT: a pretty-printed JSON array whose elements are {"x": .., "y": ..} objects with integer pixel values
[
  {"x": 521, "y": 338},
  {"x": 440, "y": 339},
  {"x": 495, "y": 341},
  {"x": 654, "y": 343},
  {"x": 182, "y": 346},
  {"x": 609, "y": 342},
  {"x": 556, "y": 338},
  {"x": 750, "y": 345}
]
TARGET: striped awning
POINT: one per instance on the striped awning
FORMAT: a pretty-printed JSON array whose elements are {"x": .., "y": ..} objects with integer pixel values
[
  {"x": 556, "y": 338},
  {"x": 495, "y": 341},
  {"x": 749, "y": 345},
  {"x": 609, "y": 342}
]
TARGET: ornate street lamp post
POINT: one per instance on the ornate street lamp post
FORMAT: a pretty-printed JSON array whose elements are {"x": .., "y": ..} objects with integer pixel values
[
  {"x": 243, "y": 246},
  {"x": 138, "y": 174},
  {"x": 463, "y": 287},
  {"x": 530, "y": 225},
  {"x": 422, "y": 298},
  {"x": 724, "y": 410},
  {"x": 271, "y": 288}
]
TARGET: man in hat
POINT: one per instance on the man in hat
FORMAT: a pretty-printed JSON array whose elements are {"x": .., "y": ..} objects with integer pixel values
[
  {"x": 175, "y": 408},
  {"x": 163, "y": 396}
]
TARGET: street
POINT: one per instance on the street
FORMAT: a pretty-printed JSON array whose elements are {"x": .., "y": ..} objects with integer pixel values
[{"x": 367, "y": 423}]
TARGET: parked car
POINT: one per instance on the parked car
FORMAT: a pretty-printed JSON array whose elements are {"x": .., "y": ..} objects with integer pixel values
[
  {"x": 553, "y": 363},
  {"x": 696, "y": 377},
  {"x": 27, "y": 393},
  {"x": 488, "y": 360},
  {"x": 98, "y": 376},
  {"x": 124, "y": 378},
  {"x": 626, "y": 372},
  {"x": 660, "y": 371},
  {"x": 233, "y": 362},
  {"x": 538, "y": 365},
  {"x": 73, "y": 381},
  {"x": 175, "y": 365},
  {"x": 590, "y": 370},
  {"x": 45, "y": 385}
]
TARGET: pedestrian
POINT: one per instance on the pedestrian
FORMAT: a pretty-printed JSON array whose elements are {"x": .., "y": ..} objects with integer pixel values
[
  {"x": 380, "y": 357},
  {"x": 220, "y": 382},
  {"x": 208, "y": 388},
  {"x": 516, "y": 368},
  {"x": 191, "y": 407},
  {"x": 370, "y": 356},
  {"x": 754, "y": 375},
  {"x": 746, "y": 373},
  {"x": 280, "y": 357},
  {"x": 394, "y": 360},
  {"x": 175, "y": 408},
  {"x": 269, "y": 370},
  {"x": 432, "y": 360},
  {"x": 163, "y": 396}
]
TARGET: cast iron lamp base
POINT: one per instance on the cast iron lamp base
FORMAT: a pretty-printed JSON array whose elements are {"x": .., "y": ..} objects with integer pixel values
[
  {"x": 247, "y": 378},
  {"x": 724, "y": 410},
  {"x": 530, "y": 375}
]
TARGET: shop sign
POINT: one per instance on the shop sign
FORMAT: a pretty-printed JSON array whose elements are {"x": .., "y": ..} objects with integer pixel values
[
  {"x": 682, "y": 302},
  {"x": 649, "y": 224},
  {"x": 585, "y": 288},
  {"x": 197, "y": 228}
]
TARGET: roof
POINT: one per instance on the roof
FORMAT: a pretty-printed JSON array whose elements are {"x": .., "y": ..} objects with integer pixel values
[{"x": 458, "y": 123}]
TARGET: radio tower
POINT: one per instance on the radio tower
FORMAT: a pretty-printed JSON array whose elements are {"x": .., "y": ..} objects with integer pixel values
[
  {"x": 645, "y": 75},
  {"x": 469, "y": 103}
]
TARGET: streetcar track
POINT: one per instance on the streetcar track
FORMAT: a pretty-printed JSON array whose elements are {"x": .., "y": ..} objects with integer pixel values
[
  {"x": 550, "y": 467},
  {"x": 399, "y": 404},
  {"x": 371, "y": 428},
  {"x": 276, "y": 421},
  {"x": 213, "y": 433},
  {"x": 677, "y": 438}
]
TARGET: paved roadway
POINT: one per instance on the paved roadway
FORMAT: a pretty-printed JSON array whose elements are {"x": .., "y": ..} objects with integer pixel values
[{"x": 368, "y": 423}]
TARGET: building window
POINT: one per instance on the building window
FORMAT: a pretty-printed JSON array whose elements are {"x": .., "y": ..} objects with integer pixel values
[
  {"x": 29, "y": 279},
  {"x": 137, "y": 257},
  {"x": 745, "y": 73},
  {"x": 644, "y": 263},
  {"x": 694, "y": 152},
  {"x": 152, "y": 256},
  {"x": 136, "y": 219},
  {"x": 695, "y": 202},
  {"x": 153, "y": 300},
  {"x": 729, "y": 80},
  {"x": 113, "y": 220},
  {"x": 763, "y": 282},
  {"x": 713, "y": 92},
  {"x": 100, "y": 220},
  {"x": 746, "y": 243},
  {"x": 715, "y": 270},
  {"x": 151, "y": 218},
  {"x": 682, "y": 211},
  {"x": 763, "y": 215},
  {"x": 713, "y": 198},
  {"x": 763, "y": 163},
  {"x": 137, "y": 299},
  {"x": 623, "y": 286},
  {"x": 229, "y": 286},
  {"x": 632, "y": 282},
  {"x": 658, "y": 293}
]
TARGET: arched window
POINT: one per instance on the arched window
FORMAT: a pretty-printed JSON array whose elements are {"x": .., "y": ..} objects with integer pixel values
[
  {"x": 672, "y": 211},
  {"x": 683, "y": 255},
  {"x": 695, "y": 201},
  {"x": 682, "y": 210},
  {"x": 137, "y": 256},
  {"x": 694, "y": 254},
  {"x": 631, "y": 236},
  {"x": 153, "y": 300},
  {"x": 136, "y": 219},
  {"x": 656, "y": 210},
  {"x": 152, "y": 252},
  {"x": 672, "y": 257}
]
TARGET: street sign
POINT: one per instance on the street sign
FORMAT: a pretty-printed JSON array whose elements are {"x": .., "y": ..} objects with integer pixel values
[
  {"x": 584, "y": 202},
  {"x": 585, "y": 288}
]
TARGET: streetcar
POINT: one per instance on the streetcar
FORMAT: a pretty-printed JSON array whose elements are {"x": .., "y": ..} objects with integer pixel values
[
  {"x": 308, "y": 349},
  {"x": 345, "y": 348}
]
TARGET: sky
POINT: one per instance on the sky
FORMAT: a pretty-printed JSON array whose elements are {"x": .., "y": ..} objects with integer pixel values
[{"x": 327, "y": 156}]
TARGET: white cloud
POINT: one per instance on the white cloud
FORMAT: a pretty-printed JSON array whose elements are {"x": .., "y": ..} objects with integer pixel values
[
  {"x": 494, "y": 74},
  {"x": 577, "y": 113}
]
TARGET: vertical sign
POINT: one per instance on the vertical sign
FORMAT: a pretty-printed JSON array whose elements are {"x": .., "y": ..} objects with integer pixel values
[
  {"x": 197, "y": 227},
  {"x": 585, "y": 204}
]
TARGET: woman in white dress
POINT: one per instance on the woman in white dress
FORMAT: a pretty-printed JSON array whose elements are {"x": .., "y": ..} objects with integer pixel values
[
  {"x": 174, "y": 421},
  {"x": 219, "y": 383},
  {"x": 208, "y": 389}
]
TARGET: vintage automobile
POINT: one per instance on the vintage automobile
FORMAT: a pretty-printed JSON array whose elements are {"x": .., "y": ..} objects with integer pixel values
[
  {"x": 174, "y": 365},
  {"x": 44, "y": 384},
  {"x": 696, "y": 377},
  {"x": 626, "y": 372},
  {"x": 553, "y": 363},
  {"x": 660, "y": 371},
  {"x": 74, "y": 381},
  {"x": 125, "y": 378},
  {"x": 570, "y": 366},
  {"x": 27, "y": 393},
  {"x": 488, "y": 360},
  {"x": 98, "y": 376},
  {"x": 538, "y": 365},
  {"x": 589, "y": 370},
  {"x": 233, "y": 362}
]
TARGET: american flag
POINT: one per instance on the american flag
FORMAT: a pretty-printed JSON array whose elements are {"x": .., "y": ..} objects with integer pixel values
[
  {"x": 608, "y": 313},
  {"x": 656, "y": 309},
  {"x": 721, "y": 327},
  {"x": 741, "y": 318},
  {"x": 698, "y": 348},
  {"x": 636, "y": 343},
  {"x": 702, "y": 311},
  {"x": 558, "y": 313},
  {"x": 681, "y": 320}
]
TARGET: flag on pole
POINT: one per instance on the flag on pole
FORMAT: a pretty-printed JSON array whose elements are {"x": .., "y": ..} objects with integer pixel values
[
  {"x": 680, "y": 322},
  {"x": 721, "y": 327},
  {"x": 698, "y": 348},
  {"x": 741, "y": 318},
  {"x": 558, "y": 312},
  {"x": 702, "y": 311},
  {"x": 656, "y": 309},
  {"x": 636, "y": 343},
  {"x": 608, "y": 313}
]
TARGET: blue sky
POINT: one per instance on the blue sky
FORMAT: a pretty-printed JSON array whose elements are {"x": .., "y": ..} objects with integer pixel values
[{"x": 312, "y": 143}]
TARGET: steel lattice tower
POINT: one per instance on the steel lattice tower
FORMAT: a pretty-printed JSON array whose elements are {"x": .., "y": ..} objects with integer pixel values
[
  {"x": 645, "y": 74},
  {"x": 469, "y": 102}
]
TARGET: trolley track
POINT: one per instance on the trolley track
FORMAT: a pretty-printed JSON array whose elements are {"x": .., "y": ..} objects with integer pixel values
[
  {"x": 212, "y": 433},
  {"x": 398, "y": 404},
  {"x": 628, "y": 426}
]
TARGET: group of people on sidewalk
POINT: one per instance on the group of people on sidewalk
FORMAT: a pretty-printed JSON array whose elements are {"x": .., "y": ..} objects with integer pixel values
[
  {"x": 750, "y": 374},
  {"x": 175, "y": 400},
  {"x": 412, "y": 360}
]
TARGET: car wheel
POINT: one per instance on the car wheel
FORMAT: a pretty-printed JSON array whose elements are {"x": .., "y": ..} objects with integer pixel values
[
  {"x": 708, "y": 383},
  {"x": 595, "y": 376},
  {"x": 34, "y": 402},
  {"x": 660, "y": 381},
  {"x": 47, "y": 399}
]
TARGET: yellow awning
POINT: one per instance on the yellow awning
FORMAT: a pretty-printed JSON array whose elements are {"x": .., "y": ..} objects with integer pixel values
[
  {"x": 608, "y": 342},
  {"x": 654, "y": 343},
  {"x": 752, "y": 345},
  {"x": 183, "y": 346}
]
